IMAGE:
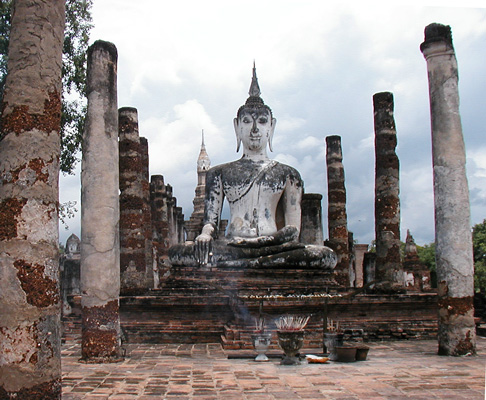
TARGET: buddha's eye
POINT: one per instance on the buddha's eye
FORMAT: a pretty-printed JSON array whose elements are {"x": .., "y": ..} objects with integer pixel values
[
  {"x": 246, "y": 120},
  {"x": 263, "y": 120}
]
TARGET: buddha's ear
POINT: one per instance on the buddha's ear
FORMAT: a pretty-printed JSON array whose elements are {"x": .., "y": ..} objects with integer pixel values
[
  {"x": 270, "y": 134},
  {"x": 238, "y": 138}
]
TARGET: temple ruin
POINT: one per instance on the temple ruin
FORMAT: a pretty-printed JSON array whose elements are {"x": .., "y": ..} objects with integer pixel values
[
  {"x": 163, "y": 302},
  {"x": 141, "y": 273}
]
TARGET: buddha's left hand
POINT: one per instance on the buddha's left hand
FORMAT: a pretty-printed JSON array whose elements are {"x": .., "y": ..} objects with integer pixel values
[{"x": 288, "y": 233}]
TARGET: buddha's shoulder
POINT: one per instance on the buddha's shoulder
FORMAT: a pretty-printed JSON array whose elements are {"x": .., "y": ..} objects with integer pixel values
[
  {"x": 221, "y": 168},
  {"x": 289, "y": 171},
  {"x": 240, "y": 166}
]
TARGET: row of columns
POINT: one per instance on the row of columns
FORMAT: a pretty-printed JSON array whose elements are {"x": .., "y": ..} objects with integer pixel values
[
  {"x": 135, "y": 219},
  {"x": 29, "y": 288},
  {"x": 388, "y": 272}
]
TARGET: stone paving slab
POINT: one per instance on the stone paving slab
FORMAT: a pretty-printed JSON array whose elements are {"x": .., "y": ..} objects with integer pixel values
[{"x": 394, "y": 370}]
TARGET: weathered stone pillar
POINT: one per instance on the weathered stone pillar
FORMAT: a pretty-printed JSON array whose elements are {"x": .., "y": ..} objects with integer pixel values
[
  {"x": 359, "y": 252},
  {"x": 369, "y": 268},
  {"x": 180, "y": 233},
  {"x": 454, "y": 258},
  {"x": 160, "y": 225},
  {"x": 132, "y": 239},
  {"x": 337, "y": 217},
  {"x": 311, "y": 230},
  {"x": 100, "y": 245},
  {"x": 387, "y": 201},
  {"x": 151, "y": 273},
  {"x": 30, "y": 343},
  {"x": 352, "y": 263}
]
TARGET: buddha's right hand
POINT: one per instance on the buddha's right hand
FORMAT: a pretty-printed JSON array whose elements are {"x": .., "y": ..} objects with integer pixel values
[{"x": 204, "y": 245}]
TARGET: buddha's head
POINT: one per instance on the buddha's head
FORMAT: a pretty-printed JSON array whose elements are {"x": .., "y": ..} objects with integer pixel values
[{"x": 254, "y": 123}]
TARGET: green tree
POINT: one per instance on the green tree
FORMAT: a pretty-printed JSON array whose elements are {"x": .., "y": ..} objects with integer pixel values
[
  {"x": 479, "y": 249},
  {"x": 4, "y": 35},
  {"x": 76, "y": 38},
  {"x": 426, "y": 254}
]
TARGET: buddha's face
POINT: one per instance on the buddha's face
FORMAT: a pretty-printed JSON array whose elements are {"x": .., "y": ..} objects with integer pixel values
[{"x": 254, "y": 128}]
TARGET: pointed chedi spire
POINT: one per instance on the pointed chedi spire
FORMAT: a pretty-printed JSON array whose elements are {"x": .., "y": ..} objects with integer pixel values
[{"x": 203, "y": 161}]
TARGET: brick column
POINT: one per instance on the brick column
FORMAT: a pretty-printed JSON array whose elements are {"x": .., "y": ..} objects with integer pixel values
[
  {"x": 100, "y": 245},
  {"x": 30, "y": 308},
  {"x": 337, "y": 217},
  {"x": 387, "y": 200},
  {"x": 453, "y": 238},
  {"x": 359, "y": 252},
  {"x": 132, "y": 239},
  {"x": 160, "y": 224},
  {"x": 151, "y": 274}
]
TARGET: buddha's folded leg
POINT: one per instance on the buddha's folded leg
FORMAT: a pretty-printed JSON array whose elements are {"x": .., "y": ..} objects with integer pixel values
[{"x": 319, "y": 257}]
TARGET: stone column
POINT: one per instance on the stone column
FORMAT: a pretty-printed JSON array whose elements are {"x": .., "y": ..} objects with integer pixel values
[
  {"x": 132, "y": 239},
  {"x": 359, "y": 252},
  {"x": 160, "y": 225},
  {"x": 369, "y": 268},
  {"x": 100, "y": 245},
  {"x": 387, "y": 202},
  {"x": 151, "y": 273},
  {"x": 30, "y": 308},
  {"x": 337, "y": 217},
  {"x": 453, "y": 238},
  {"x": 311, "y": 230}
]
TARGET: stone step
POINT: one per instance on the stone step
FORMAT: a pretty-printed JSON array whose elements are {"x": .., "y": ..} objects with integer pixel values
[{"x": 183, "y": 332}]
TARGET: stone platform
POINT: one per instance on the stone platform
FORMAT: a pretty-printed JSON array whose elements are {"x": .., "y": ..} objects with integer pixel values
[
  {"x": 210, "y": 304},
  {"x": 220, "y": 305},
  {"x": 219, "y": 318}
]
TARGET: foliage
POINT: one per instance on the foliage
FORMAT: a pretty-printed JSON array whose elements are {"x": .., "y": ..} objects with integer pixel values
[
  {"x": 4, "y": 35},
  {"x": 76, "y": 37},
  {"x": 426, "y": 254},
  {"x": 67, "y": 210},
  {"x": 479, "y": 249}
]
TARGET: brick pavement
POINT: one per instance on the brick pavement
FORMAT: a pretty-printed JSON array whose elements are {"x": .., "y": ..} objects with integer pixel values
[{"x": 393, "y": 370}]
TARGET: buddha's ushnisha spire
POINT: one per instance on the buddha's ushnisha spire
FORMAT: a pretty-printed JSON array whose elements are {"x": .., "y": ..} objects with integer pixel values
[
  {"x": 254, "y": 88},
  {"x": 254, "y": 92}
]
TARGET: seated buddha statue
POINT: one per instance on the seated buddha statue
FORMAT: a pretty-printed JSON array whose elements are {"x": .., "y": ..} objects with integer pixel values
[{"x": 264, "y": 198}]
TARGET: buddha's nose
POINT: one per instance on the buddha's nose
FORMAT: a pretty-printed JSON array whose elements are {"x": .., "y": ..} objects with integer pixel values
[{"x": 254, "y": 128}]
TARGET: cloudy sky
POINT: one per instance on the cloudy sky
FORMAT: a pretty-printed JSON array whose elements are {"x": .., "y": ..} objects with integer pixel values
[{"x": 186, "y": 66}]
